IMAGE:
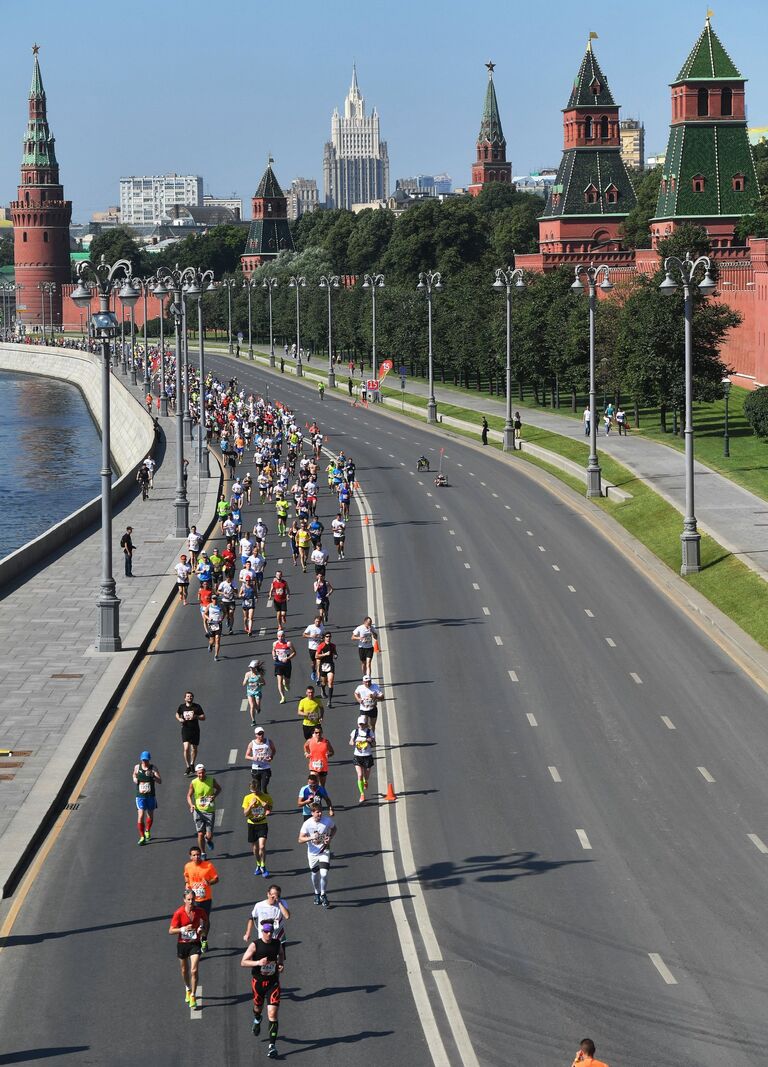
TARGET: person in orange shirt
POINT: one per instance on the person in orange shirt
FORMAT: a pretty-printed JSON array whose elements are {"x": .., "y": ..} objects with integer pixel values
[
  {"x": 318, "y": 750},
  {"x": 199, "y": 876},
  {"x": 585, "y": 1057}
]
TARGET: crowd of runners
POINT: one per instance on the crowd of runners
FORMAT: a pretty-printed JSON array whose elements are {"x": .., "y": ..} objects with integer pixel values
[{"x": 284, "y": 489}]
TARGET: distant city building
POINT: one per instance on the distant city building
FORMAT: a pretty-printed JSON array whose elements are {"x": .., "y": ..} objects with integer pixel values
[
  {"x": 303, "y": 197},
  {"x": 656, "y": 160},
  {"x": 110, "y": 217},
  {"x": 355, "y": 160},
  {"x": 491, "y": 163},
  {"x": 231, "y": 203},
  {"x": 757, "y": 134},
  {"x": 432, "y": 185},
  {"x": 145, "y": 198},
  {"x": 632, "y": 134},
  {"x": 270, "y": 233},
  {"x": 537, "y": 182},
  {"x": 41, "y": 216}
]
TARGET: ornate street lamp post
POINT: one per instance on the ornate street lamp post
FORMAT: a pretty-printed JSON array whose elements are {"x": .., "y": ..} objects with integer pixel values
[
  {"x": 511, "y": 281},
  {"x": 145, "y": 287},
  {"x": 229, "y": 284},
  {"x": 428, "y": 281},
  {"x": 201, "y": 283},
  {"x": 373, "y": 282},
  {"x": 329, "y": 282},
  {"x": 104, "y": 328},
  {"x": 270, "y": 284},
  {"x": 298, "y": 282},
  {"x": 591, "y": 274},
  {"x": 726, "y": 439},
  {"x": 249, "y": 284},
  {"x": 681, "y": 272},
  {"x": 50, "y": 289}
]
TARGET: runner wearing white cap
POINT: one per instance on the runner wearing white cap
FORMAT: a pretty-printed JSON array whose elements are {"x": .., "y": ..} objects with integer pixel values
[{"x": 363, "y": 742}]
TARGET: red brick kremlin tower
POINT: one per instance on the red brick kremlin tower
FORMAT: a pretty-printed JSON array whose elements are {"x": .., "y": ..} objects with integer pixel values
[
  {"x": 40, "y": 215},
  {"x": 491, "y": 163},
  {"x": 270, "y": 232}
]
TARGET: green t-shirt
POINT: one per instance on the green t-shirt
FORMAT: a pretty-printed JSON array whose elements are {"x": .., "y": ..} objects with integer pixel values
[
  {"x": 203, "y": 793},
  {"x": 223, "y": 509}
]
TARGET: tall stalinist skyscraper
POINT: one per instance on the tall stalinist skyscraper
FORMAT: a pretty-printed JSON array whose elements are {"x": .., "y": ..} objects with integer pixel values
[{"x": 355, "y": 160}]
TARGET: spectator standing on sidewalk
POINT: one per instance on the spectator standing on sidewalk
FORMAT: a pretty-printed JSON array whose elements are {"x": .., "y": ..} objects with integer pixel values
[
  {"x": 126, "y": 543},
  {"x": 484, "y": 431},
  {"x": 585, "y": 418},
  {"x": 621, "y": 420},
  {"x": 518, "y": 426}
]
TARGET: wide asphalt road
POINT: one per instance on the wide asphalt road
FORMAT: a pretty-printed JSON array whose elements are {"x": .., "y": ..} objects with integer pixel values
[{"x": 577, "y": 848}]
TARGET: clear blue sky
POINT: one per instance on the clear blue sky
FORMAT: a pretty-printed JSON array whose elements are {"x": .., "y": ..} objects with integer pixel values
[{"x": 212, "y": 88}]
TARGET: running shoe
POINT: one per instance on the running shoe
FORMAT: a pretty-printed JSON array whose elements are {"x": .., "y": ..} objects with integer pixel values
[
  {"x": 141, "y": 840},
  {"x": 264, "y": 872},
  {"x": 282, "y": 699},
  {"x": 272, "y": 1052},
  {"x": 203, "y": 947},
  {"x": 147, "y": 838},
  {"x": 186, "y": 996},
  {"x": 317, "y": 898},
  {"x": 324, "y": 901},
  {"x": 256, "y": 1028},
  {"x": 209, "y": 843},
  {"x": 362, "y": 799},
  {"x": 192, "y": 1003},
  {"x": 256, "y": 871}
]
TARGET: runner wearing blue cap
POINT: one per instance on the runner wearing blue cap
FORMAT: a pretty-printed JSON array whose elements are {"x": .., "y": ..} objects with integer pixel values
[{"x": 145, "y": 777}]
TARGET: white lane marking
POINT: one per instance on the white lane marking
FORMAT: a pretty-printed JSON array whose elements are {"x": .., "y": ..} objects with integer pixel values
[
  {"x": 468, "y": 566},
  {"x": 283, "y": 544},
  {"x": 583, "y": 839},
  {"x": 507, "y": 507},
  {"x": 380, "y": 448},
  {"x": 483, "y": 483},
  {"x": 589, "y": 613},
  {"x": 196, "y": 1014},
  {"x": 232, "y": 756},
  {"x": 452, "y": 533},
  {"x": 571, "y": 588},
  {"x": 391, "y": 456},
  {"x": 610, "y": 642},
  {"x": 475, "y": 585},
  {"x": 759, "y": 845},
  {"x": 513, "y": 676},
  {"x": 635, "y": 678},
  {"x": 542, "y": 548},
  {"x": 413, "y": 475},
  {"x": 438, "y": 507},
  {"x": 459, "y": 464},
  {"x": 390, "y": 741},
  {"x": 705, "y": 774},
  {"x": 459, "y": 548},
  {"x": 555, "y": 567},
  {"x": 531, "y": 719},
  {"x": 486, "y": 611},
  {"x": 529, "y": 532},
  {"x": 402, "y": 465},
  {"x": 243, "y": 704},
  {"x": 420, "y": 482},
  {"x": 518, "y": 519},
  {"x": 262, "y": 631},
  {"x": 496, "y": 495},
  {"x": 445, "y": 518},
  {"x": 668, "y": 722},
  {"x": 555, "y": 774},
  {"x": 471, "y": 474},
  {"x": 498, "y": 640},
  {"x": 219, "y": 818},
  {"x": 429, "y": 494},
  {"x": 662, "y": 968}
]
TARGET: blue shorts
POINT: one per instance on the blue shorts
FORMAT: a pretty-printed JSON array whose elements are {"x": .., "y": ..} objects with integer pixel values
[{"x": 146, "y": 803}]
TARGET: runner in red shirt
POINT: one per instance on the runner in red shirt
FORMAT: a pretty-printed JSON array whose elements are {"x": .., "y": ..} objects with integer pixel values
[
  {"x": 280, "y": 594},
  {"x": 190, "y": 924}
]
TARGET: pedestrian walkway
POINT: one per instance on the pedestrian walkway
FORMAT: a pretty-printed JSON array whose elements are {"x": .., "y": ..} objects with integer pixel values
[
  {"x": 736, "y": 518},
  {"x": 55, "y": 685}
]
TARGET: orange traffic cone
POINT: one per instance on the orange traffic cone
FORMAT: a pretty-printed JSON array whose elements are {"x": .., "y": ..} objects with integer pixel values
[
  {"x": 372, "y": 569},
  {"x": 357, "y": 485},
  {"x": 390, "y": 792},
  {"x": 376, "y": 648},
  {"x": 366, "y": 520}
]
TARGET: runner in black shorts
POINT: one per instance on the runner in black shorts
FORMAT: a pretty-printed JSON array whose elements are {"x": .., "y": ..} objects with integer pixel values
[
  {"x": 190, "y": 925},
  {"x": 190, "y": 715},
  {"x": 266, "y": 960}
]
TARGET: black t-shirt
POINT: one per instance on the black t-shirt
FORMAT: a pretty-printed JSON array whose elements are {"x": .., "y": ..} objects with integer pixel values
[
  {"x": 190, "y": 714},
  {"x": 270, "y": 949}
]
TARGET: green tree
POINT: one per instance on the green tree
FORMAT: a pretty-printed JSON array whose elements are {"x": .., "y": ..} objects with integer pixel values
[
  {"x": 756, "y": 411},
  {"x": 118, "y": 243},
  {"x": 637, "y": 225},
  {"x": 369, "y": 240},
  {"x": 755, "y": 224},
  {"x": 6, "y": 252}
]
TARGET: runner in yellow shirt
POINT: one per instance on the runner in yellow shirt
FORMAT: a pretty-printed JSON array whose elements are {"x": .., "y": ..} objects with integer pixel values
[{"x": 257, "y": 807}]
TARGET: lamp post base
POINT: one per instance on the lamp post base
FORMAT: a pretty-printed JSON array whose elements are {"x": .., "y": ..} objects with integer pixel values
[
  {"x": 134, "y": 379},
  {"x": 250, "y": 352},
  {"x": 594, "y": 482},
  {"x": 508, "y": 439},
  {"x": 432, "y": 410},
  {"x": 205, "y": 469},
  {"x": 230, "y": 348},
  {"x": 690, "y": 541},
  {"x": 271, "y": 359},
  {"x": 189, "y": 426},
  {"x": 299, "y": 370},
  {"x": 331, "y": 379},
  {"x": 109, "y": 624},
  {"x": 182, "y": 518},
  {"x": 164, "y": 406}
]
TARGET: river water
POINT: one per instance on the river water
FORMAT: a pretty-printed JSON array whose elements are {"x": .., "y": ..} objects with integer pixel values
[{"x": 51, "y": 456}]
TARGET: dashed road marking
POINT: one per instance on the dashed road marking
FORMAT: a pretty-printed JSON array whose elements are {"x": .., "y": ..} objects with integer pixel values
[
  {"x": 262, "y": 631},
  {"x": 588, "y": 613},
  {"x": 471, "y": 474},
  {"x": 280, "y": 561},
  {"x": 445, "y": 518},
  {"x": 475, "y": 585},
  {"x": 243, "y": 704},
  {"x": 483, "y": 483},
  {"x": 705, "y": 774},
  {"x": 758, "y": 843},
  {"x": 438, "y": 507},
  {"x": 459, "y": 548},
  {"x": 555, "y": 567},
  {"x": 531, "y": 719},
  {"x": 496, "y": 495},
  {"x": 498, "y": 640},
  {"x": 668, "y": 722},
  {"x": 486, "y": 611},
  {"x": 571, "y": 588},
  {"x": 610, "y": 642},
  {"x": 459, "y": 464},
  {"x": 283, "y": 544},
  {"x": 529, "y": 532},
  {"x": 662, "y": 968},
  {"x": 196, "y": 1014},
  {"x": 542, "y": 548},
  {"x": 518, "y": 519},
  {"x": 507, "y": 507},
  {"x": 429, "y": 494},
  {"x": 420, "y": 482},
  {"x": 513, "y": 676},
  {"x": 232, "y": 756},
  {"x": 468, "y": 566},
  {"x": 583, "y": 839},
  {"x": 555, "y": 774},
  {"x": 635, "y": 678},
  {"x": 452, "y": 533}
]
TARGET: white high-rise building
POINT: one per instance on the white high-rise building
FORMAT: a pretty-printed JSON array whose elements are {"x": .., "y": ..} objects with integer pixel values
[
  {"x": 145, "y": 198},
  {"x": 302, "y": 197},
  {"x": 355, "y": 160}
]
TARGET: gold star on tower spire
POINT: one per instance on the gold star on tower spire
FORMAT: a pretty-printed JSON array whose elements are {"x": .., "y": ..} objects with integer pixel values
[
  {"x": 35, "y": 49},
  {"x": 490, "y": 67}
]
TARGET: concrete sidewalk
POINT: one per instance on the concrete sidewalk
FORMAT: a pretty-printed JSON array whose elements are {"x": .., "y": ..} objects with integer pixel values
[
  {"x": 736, "y": 518},
  {"x": 56, "y": 689}
]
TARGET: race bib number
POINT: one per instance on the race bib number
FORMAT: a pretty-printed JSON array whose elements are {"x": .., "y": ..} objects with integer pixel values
[
  {"x": 257, "y": 811},
  {"x": 145, "y": 788},
  {"x": 316, "y": 764},
  {"x": 205, "y": 803},
  {"x": 268, "y": 968},
  {"x": 199, "y": 890},
  {"x": 189, "y": 935},
  {"x": 326, "y": 667}
]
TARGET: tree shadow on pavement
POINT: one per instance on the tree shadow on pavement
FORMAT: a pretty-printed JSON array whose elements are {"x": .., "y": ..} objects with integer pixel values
[
  {"x": 413, "y": 624},
  {"x": 314, "y": 1044},
  {"x": 329, "y": 991},
  {"x": 505, "y": 868},
  {"x": 30, "y": 1054}
]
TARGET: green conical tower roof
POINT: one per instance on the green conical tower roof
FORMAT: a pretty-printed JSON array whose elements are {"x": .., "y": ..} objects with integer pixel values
[
  {"x": 39, "y": 142},
  {"x": 590, "y": 86},
  {"x": 708, "y": 60},
  {"x": 269, "y": 186},
  {"x": 490, "y": 126}
]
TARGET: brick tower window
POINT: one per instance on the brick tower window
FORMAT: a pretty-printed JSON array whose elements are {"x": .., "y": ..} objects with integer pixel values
[
  {"x": 45, "y": 236},
  {"x": 604, "y": 127},
  {"x": 698, "y": 183},
  {"x": 611, "y": 194},
  {"x": 737, "y": 182},
  {"x": 588, "y": 128},
  {"x": 703, "y": 102},
  {"x": 726, "y": 101},
  {"x": 590, "y": 194}
]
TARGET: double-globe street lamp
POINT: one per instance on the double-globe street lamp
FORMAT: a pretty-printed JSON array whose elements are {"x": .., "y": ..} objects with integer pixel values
[
  {"x": 726, "y": 439},
  {"x": 172, "y": 282},
  {"x": 9, "y": 302},
  {"x": 145, "y": 287},
  {"x": 373, "y": 282},
  {"x": 429, "y": 281},
  {"x": 200, "y": 283},
  {"x": 511, "y": 280},
  {"x": 270, "y": 284},
  {"x": 48, "y": 288},
  {"x": 591, "y": 275},
  {"x": 104, "y": 327},
  {"x": 329, "y": 282},
  {"x": 298, "y": 282},
  {"x": 229, "y": 284},
  {"x": 681, "y": 272},
  {"x": 249, "y": 284}
]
